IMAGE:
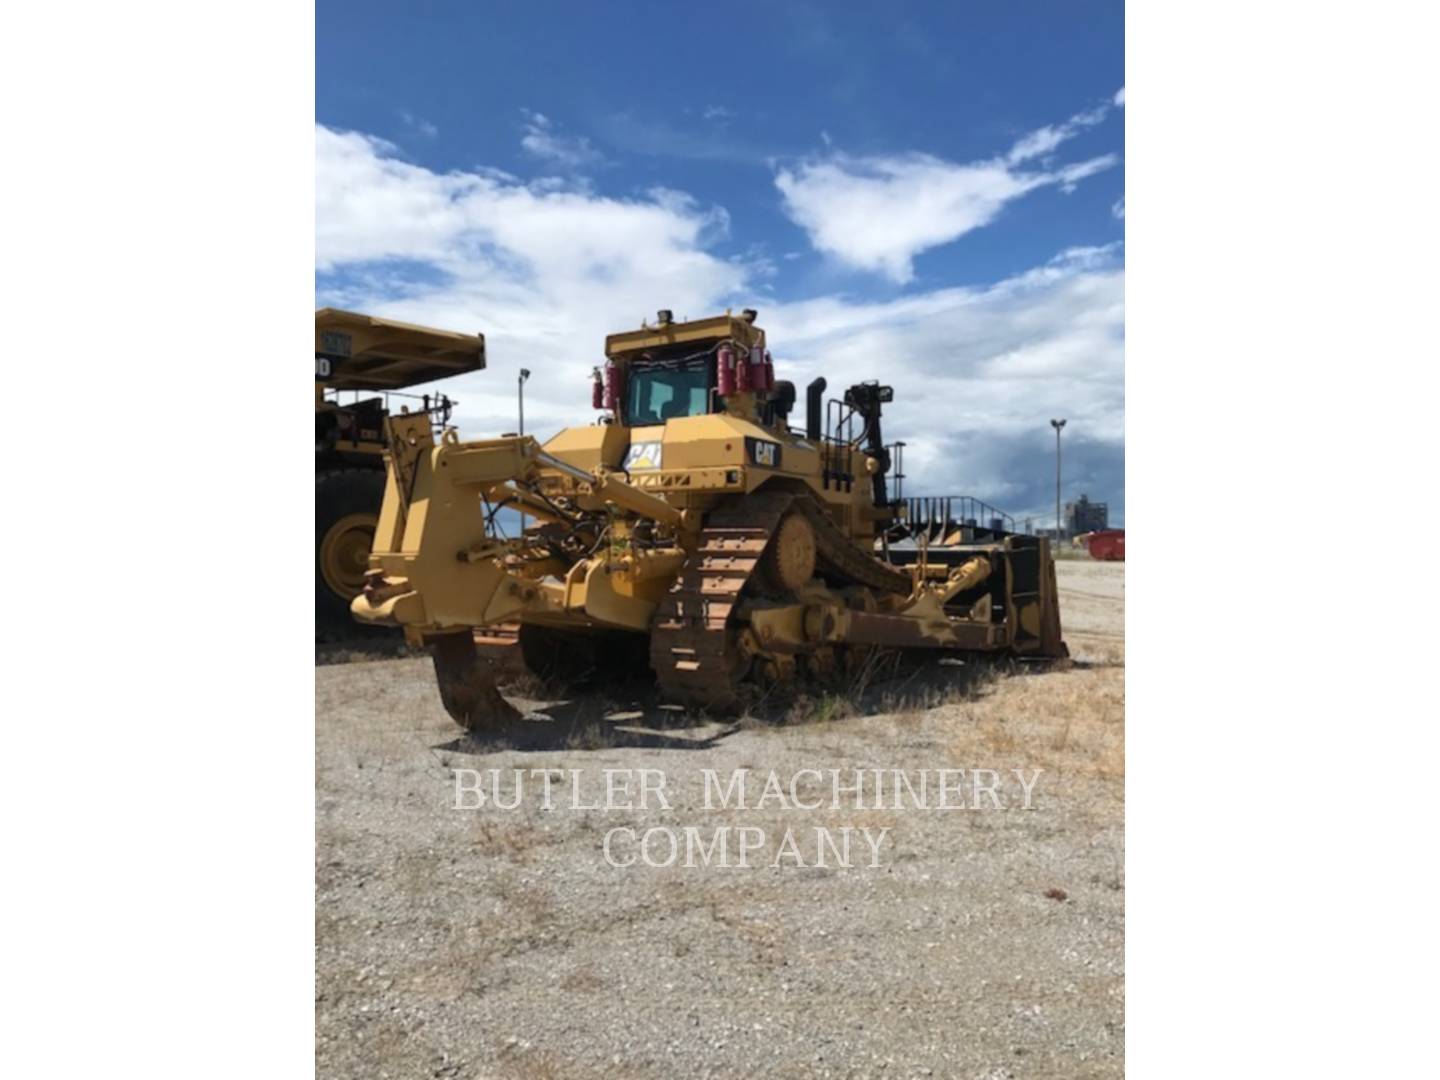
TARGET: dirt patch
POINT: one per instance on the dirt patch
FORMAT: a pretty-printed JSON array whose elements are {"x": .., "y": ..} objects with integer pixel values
[{"x": 501, "y": 944}]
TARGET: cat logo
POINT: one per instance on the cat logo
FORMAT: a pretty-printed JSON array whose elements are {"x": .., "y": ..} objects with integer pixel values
[
  {"x": 643, "y": 455},
  {"x": 764, "y": 453}
]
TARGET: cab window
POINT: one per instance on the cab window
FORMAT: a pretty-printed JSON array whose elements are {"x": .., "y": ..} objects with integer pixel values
[{"x": 662, "y": 391}]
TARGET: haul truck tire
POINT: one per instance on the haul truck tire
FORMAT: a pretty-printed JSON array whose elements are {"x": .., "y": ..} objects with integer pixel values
[{"x": 347, "y": 506}]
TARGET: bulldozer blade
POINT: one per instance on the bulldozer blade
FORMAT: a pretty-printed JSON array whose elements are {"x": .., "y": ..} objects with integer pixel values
[{"x": 467, "y": 684}]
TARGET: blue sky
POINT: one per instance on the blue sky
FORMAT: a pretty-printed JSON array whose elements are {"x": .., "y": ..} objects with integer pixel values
[{"x": 930, "y": 194}]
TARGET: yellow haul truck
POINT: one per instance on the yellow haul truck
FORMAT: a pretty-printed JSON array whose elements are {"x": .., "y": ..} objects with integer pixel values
[
  {"x": 691, "y": 529},
  {"x": 360, "y": 364}
]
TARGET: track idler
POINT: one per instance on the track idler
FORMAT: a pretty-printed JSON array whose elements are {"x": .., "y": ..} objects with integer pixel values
[{"x": 467, "y": 684}]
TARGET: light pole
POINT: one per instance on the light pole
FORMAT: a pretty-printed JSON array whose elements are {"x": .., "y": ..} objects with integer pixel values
[
  {"x": 524, "y": 374},
  {"x": 520, "y": 386},
  {"x": 1057, "y": 425}
]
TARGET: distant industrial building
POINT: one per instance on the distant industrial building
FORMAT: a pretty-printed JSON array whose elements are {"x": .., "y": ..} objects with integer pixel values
[{"x": 1083, "y": 516}]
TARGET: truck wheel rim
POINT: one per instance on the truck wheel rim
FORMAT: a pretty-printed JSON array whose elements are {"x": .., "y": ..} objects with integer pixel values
[{"x": 345, "y": 553}]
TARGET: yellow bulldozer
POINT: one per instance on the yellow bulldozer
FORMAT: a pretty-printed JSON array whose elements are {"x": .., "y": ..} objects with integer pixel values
[
  {"x": 361, "y": 364},
  {"x": 690, "y": 530}
]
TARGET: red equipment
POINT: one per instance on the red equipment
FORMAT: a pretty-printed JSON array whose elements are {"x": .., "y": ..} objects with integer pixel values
[
  {"x": 614, "y": 386},
  {"x": 1107, "y": 545},
  {"x": 725, "y": 373},
  {"x": 756, "y": 364}
]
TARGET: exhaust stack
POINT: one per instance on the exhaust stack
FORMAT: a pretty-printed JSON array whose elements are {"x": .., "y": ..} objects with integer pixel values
[{"x": 813, "y": 395}]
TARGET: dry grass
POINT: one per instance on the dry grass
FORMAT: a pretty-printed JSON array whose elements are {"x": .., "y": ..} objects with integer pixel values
[
  {"x": 362, "y": 650},
  {"x": 821, "y": 709},
  {"x": 523, "y": 1063},
  {"x": 1066, "y": 722},
  {"x": 516, "y": 842},
  {"x": 1066, "y": 718},
  {"x": 583, "y": 980}
]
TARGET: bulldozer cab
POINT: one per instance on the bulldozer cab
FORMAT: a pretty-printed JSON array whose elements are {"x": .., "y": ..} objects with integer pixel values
[
  {"x": 661, "y": 390},
  {"x": 673, "y": 370}
]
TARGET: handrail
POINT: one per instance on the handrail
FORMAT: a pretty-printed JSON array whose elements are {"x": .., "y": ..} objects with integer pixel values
[
  {"x": 439, "y": 406},
  {"x": 938, "y": 516}
]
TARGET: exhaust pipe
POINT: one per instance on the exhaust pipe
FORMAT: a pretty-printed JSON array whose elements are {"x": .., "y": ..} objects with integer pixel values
[{"x": 813, "y": 394}]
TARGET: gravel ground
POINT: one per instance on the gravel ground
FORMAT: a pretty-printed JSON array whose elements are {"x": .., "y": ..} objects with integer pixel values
[{"x": 500, "y": 943}]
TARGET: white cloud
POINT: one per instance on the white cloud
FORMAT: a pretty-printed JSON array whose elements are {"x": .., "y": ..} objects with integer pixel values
[
  {"x": 877, "y": 213},
  {"x": 978, "y": 372},
  {"x": 545, "y": 275},
  {"x": 718, "y": 112},
  {"x": 655, "y": 136},
  {"x": 543, "y": 140},
  {"x": 1070, "y": 176},
  {"x": 1120, "y": 97},
  {"x": 419, "y": 124},
  {"x": 1117, "y": 209},
  {"x": 372, "y": 205},
  {"x": 1044, "y": 140},
  {"x": 1039, "y": 143}
]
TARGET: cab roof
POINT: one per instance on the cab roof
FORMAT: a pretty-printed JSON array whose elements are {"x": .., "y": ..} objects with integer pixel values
[
  {"x": 370, "y": 353},
  {"x": 696, "y": 332}
]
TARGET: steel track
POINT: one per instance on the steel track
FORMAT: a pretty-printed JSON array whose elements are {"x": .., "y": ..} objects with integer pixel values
[{"x": 694, "y": 647}]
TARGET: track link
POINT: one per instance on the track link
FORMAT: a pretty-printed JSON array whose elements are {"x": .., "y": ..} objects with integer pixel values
[
  {"x": 693, "y": 650},
  {"x": 841, "y": 558},
  {"x": 694, "y": 640}
]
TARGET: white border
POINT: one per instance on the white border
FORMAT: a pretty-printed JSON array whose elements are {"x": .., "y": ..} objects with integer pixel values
[
  {"x": 159, "y": 758},
  {"x": 1281, "y": 235},
  {"x": 159, "y": 768}
]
